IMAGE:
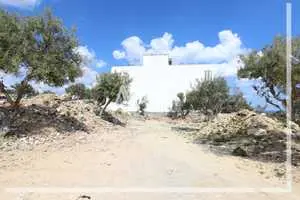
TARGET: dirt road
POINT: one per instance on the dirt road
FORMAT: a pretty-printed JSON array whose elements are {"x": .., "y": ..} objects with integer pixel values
[{"x": 145, "y": 160}]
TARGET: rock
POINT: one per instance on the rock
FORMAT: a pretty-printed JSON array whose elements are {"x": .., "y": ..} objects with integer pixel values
[
  {"x": 239, "y": 152},
  {"x": 244, "y": 113},
  {"x": 258, "y": 132}
]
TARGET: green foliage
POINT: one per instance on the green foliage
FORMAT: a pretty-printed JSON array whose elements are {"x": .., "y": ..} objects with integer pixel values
[
  {"x": 235, "y": 103},
  {"x": 88, "y": 93},
  {"x": 269, "y": 67},
  {"x": 209, "y": 96},
  {"x": 41, "y": 45},
  {"x": 79, "y": 90},
  {"x": 28, "y": 90},
  {"x": 180, "y": 108},
  {"x": 142, "y": 105},
  {"x": 109, "y": 87}
]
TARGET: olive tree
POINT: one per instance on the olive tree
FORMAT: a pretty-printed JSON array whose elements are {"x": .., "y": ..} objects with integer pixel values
[
  {"x": 111, "y": 87},
  {"x": 208, "y": 96},
  {"x": 268, "y": 68},
  {"x": 39, "y": 45},
  {"x": 180, "y": 107}
]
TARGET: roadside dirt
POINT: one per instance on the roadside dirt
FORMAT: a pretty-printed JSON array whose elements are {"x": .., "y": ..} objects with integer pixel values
[{"x": 143, "y": 156}]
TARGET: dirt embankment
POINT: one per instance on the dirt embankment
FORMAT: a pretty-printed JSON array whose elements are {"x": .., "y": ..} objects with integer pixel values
[
  {"x": 47, "y": 118},
  {"x": 246, "y": 134}
]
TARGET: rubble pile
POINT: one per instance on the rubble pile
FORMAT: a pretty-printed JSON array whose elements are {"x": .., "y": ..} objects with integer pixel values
[
  {"x": 47, "y": 116},
  {"x": 248, "y": 134}
]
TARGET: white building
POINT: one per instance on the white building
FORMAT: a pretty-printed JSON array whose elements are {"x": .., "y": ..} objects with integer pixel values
[{"x": 160, "y": 81}]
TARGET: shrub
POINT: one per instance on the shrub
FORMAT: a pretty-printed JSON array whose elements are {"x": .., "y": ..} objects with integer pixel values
[
  {"x": 180, "y": 108},
  {"x": 142, "y": 105},
  {"x": 235, "y": 103},
  {"x": 79, "y": 90},
  {"x": 210, "y": 97}
]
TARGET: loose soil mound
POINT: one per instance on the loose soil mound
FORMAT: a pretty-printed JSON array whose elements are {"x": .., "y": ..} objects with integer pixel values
[
  {"x": 47, "y": 117},
  {"x": 247, "y": 134}
]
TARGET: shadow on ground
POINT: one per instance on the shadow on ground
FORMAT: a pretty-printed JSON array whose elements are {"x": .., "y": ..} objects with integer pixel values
[
  {"x": 31, "y": 119},
  {"x": 184, "y": 129},
  {"x": 112, "y": 119}
]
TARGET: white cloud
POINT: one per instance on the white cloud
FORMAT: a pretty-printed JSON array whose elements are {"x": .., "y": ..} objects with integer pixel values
[
  {"x": 21, "y": 3},
  {"x": 163, "y": 44},
  {"x": 118, "y": 54},
  {"x": 89, "y": 60},
  {"x": 89, "y": 57},
  {"x": 133, "y": 49},
  {"x": 88, "y": 78},
  {"x": 226, "y": 51},
  {"x": 228, "y": 48}
]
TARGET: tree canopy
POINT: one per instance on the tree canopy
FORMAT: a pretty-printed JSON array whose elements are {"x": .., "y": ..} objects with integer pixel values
[
  {"x": 208, "y": 96},
  {"x": 42, "y": 46},
  {"x": 268, "y": 66}
]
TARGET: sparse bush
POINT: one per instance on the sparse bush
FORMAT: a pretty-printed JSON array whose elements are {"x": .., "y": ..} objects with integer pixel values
[
  {"x": 142, "y": 105},
  {"x": 180, "y": 108},
  {"x": 79, "y": 90},
  {"x": 235, "y": 103}
]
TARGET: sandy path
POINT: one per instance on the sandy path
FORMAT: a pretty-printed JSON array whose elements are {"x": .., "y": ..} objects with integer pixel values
[{"x": 144, "y": 156}]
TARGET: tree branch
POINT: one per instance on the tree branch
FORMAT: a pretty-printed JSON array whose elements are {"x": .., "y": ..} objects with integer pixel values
[{"x": 5, "y": 92}]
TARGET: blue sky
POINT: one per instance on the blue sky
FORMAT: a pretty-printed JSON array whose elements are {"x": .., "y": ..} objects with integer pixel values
[{"x": 103, "y": 25}]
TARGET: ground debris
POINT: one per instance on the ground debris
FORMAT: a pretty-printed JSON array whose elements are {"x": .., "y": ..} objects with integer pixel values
[
  {"x": 247, "y": 134},
  {"x": 47, "y": 118}
]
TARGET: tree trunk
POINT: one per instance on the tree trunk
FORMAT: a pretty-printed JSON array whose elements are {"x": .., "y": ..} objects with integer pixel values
[
  {"x": 20, "y": 93},
  {"x": 4, "y": 91},
  {"x": 186, "y": 114},
  {"x": 8, "y": 97},
  {"x": 104, "y": 108}
]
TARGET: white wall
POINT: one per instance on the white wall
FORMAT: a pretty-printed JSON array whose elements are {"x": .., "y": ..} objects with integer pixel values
[
  {"x": 160, "y": 82},
  {"x": 155, "y": 61}
]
